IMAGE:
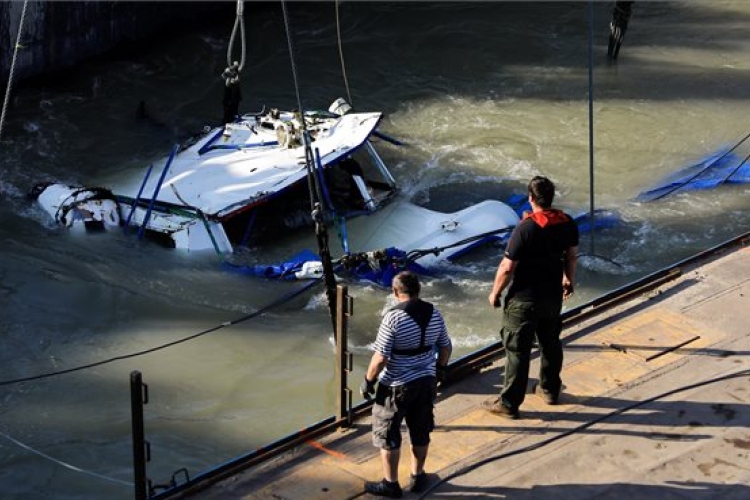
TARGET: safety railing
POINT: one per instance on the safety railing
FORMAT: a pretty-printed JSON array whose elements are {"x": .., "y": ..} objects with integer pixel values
[{"x": 346, "y": 413}]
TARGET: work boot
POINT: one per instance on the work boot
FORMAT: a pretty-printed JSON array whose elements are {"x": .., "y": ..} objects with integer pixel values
[
  {"x": 418, "y": 483},
  {"x": 498, "y": 408},
  {"x": 384, "y": 489},
  {"x": 547, "y": 396}
]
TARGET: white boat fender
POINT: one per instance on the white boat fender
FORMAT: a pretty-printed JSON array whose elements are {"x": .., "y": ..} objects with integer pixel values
[{"x": 310, "y": 270}]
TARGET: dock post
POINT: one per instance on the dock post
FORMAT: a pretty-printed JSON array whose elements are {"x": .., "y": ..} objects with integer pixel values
[
  {"x": 344, "y": 308},
  {"x": 138, "y": 397}
]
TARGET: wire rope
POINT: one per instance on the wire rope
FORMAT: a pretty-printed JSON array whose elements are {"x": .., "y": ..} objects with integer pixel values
[
  {"x": 341, "y": 56},
  {"x": 64, "y": 464},
  {"x": 12, "y": 66},
  {"x": 317, "y": 209},
  {"x": 238, "y": 22},
  {"x": 283, "y": 299}
]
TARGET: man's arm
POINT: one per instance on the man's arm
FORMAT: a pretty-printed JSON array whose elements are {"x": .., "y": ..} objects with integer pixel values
[
  {"x": 569, "y": 272},
  {"x": 444, "y": 355},
  {"x": 377, "y": 363},
  {"x": 503, "y": 276}
]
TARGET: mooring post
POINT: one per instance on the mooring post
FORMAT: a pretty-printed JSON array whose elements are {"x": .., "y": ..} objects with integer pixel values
[
  {"x": 344, "y": 308},
  {"x": 138, "y": 397}
]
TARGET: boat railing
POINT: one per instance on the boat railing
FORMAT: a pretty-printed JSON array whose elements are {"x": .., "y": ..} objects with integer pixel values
[
  {"x": 137, "y": 198},
  {"x": 146, "y": 217}
]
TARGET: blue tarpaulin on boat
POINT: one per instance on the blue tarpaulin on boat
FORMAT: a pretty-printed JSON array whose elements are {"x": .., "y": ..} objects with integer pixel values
[
  {"x": 285, "y": 270},
  {"x": 380, "y": 270},
  {"x": 721, "y": 167}
]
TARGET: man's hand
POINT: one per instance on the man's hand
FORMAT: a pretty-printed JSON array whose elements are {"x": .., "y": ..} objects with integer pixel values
[
  {"x": 567, "y": 289},
  {"x": 441, "y": 374},
  {"x": 494, "y": 300},
  {"x": 367, "y": 389}
]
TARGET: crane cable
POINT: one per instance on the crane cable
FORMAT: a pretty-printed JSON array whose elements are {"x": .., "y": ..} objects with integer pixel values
[
  {"x": 13, "y": 66},
  {"x": 231, "y": 74},
  {"x": 341, "y": 56},
  {"x": 238, "y": 22},
  {"x": 316, "y": 207}
]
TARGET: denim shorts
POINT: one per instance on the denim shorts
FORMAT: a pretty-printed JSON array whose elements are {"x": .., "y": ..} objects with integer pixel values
[{"x": 413, "y": 402}]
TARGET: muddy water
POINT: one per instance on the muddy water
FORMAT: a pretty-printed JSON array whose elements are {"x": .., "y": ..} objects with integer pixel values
[{"x": 484, "y": 95}]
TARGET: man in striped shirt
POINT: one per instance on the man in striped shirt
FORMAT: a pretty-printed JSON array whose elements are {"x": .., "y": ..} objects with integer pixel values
[{"x": 404, "y": 362}]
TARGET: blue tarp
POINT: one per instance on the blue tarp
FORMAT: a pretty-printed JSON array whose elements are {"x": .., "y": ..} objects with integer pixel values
[
  {"x": 392, "y": 262},
  {"x": 721, "y": 167}
]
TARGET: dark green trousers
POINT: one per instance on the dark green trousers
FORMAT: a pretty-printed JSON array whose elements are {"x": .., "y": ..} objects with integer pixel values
[{"x": 522, "y": 321}]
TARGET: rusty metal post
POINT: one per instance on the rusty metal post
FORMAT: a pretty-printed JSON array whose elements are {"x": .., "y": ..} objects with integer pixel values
[
  {"x": 344, "y": 309},
  {"x": 138, "y": 397}
]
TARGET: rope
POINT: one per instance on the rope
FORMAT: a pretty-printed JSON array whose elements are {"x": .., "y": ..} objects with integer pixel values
[
  {"x": 341, "y": 56},
  {"x": 317, "y": 210},
  {"x": 238, "y": 22},
  {"x": 283, "y": 299},
  {"x": 703, "y": 170},
  {"x": 12, "y": 66},
  {"x": 64, "y": 464},
  {"x": 231, "y": 75},
  {"x": 419, "y": 253}
]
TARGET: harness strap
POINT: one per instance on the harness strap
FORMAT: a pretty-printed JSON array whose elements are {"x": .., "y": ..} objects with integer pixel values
[{"x": 421, "y": 312}]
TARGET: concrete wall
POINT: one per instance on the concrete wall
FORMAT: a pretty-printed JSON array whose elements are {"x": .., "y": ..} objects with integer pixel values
[{"x": 56, "y": 34}]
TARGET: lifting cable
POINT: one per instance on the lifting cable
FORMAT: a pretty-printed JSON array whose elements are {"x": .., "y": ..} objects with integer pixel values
[
  {"x": 341, "y": 56},
  {"x": 316, "y": 207},
  {"x": 637, "y": 404},
  {"x": 12, "y": 66},
  {"x": 231, "y": 75}
]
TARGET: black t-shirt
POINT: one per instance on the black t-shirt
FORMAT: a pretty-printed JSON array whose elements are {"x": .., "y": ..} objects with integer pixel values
[{"x": 538, "y": 249}]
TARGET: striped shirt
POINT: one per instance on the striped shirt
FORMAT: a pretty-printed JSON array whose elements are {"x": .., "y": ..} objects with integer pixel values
[{"x": 399, "y": 331}]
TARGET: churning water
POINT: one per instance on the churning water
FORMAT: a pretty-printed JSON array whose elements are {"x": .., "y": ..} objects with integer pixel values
[{"x": 485, "y": 95}]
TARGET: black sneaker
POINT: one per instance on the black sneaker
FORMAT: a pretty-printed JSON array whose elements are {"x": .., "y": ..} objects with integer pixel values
[
  {"x": 384, "y": 489},
  {"x": 418, "y": 483}
]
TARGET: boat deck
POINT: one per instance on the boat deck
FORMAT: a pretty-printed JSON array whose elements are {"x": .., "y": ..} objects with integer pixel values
[{"x": 656, "y": 403}]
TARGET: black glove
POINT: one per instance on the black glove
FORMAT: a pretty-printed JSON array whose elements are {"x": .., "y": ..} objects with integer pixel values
[
  {"x": 367, "y": 389},
  {"x": 441, "y": 374}
]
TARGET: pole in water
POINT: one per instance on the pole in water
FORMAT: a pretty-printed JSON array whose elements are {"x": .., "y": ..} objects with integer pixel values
[{"x": 591, "y": 122}]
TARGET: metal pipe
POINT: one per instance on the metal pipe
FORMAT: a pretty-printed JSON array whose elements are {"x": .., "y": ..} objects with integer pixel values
[
  {"x": 156, "y": 191},
  {"x": 137, "y": 198}
]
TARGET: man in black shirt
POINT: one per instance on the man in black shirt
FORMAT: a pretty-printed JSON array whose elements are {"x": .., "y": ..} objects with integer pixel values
[{"x": 540, "y": 265}]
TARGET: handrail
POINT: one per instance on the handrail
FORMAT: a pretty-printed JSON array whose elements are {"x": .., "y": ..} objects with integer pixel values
[
  {"x": 156, "y": 191},
  {"x": 137, "y": 199}
]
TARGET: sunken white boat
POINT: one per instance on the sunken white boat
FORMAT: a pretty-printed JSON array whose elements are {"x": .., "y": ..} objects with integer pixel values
[{"x": 239, "y": 182}]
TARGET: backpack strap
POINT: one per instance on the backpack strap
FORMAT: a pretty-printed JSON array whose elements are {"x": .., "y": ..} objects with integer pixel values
[{"x": 421, "y": 312}]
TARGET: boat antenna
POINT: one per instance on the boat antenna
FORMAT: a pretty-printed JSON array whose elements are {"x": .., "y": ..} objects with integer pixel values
[
  {"x": 12, "y": 66},
  {"x": 231, "y": 75},
  {"x": 341, "y": 56},
  {"x": 316, "y": 207}
]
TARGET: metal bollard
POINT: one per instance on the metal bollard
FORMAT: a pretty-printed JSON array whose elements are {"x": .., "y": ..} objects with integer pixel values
[{"x": 138, "y": 397}]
